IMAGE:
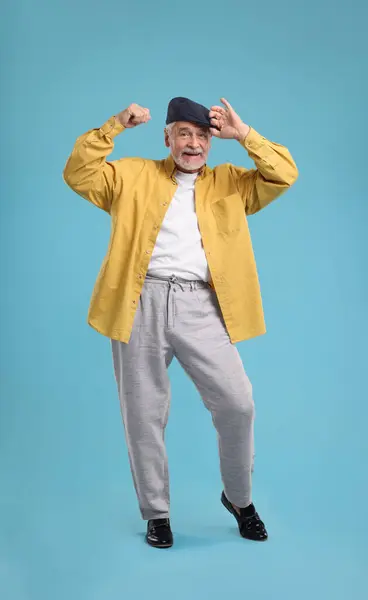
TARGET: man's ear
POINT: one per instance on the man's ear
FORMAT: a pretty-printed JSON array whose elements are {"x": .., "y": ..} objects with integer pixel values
[{"x": 167, "y": 143}]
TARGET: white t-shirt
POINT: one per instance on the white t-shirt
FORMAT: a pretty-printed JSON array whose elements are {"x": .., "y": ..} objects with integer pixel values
[{"x": 178, "y": 249}]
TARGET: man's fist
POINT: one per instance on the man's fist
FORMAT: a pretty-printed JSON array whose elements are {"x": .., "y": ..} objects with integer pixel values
[{"x": 133, "y": 115}]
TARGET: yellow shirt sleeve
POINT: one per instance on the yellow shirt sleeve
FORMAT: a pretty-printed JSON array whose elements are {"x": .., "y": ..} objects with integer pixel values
[
  {"x": 87, "y": 172},
  {"x": 275, "y": 172}
]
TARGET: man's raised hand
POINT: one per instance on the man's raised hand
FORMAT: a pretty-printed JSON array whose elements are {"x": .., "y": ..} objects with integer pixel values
[{"x": 134, "y": 115}]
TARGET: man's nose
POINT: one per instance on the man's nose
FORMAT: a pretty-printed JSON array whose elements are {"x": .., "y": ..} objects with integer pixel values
[{"x": 194, "y": 143}]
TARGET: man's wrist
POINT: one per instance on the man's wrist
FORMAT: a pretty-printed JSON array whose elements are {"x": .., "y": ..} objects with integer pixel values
[
  {"x": 242, "y": 132},
  {"x": 119, "y": 120}
]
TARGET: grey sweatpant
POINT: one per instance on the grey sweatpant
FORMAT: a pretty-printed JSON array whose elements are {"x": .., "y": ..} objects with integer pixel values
[{"x": 182, "y": 319}]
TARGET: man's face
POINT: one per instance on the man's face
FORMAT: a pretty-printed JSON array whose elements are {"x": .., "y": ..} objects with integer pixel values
[{"x": 189, "y": 145}]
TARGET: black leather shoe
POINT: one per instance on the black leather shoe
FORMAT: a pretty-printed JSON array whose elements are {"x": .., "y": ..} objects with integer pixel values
[
  {"x": 250, "y": 525},
  {"x": 159, "y": 534}
]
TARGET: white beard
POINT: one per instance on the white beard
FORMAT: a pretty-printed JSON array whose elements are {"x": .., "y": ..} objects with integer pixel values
[{"x": 189, "y": 165}]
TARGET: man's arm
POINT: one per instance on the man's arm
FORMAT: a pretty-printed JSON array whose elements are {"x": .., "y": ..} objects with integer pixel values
[
  {"x": 87, "y": 171},
  {"x": 276, "y": 170},
  {"x": 275, "y": 173}
]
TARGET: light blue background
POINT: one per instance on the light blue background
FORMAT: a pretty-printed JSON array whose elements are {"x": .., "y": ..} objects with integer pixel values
[{"x": 70, "y": 527}]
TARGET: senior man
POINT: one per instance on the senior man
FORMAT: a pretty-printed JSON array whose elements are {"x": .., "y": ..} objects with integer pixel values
[{"x": 179, "y": 279}]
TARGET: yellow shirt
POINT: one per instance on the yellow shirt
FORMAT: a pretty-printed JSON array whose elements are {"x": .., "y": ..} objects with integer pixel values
[{"x": 137, "y": 192}]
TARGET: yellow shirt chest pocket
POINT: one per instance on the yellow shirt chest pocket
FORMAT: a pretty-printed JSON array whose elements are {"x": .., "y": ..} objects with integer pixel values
[{"x": 229, "y": 214}]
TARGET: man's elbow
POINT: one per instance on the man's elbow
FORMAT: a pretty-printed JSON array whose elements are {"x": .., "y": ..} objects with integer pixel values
[
  {"x": 291, "y": 175},
  {"x": 68, "y": 175},
  {"x": 72, "y": 178},
  {"x": 66, "y": 178}
]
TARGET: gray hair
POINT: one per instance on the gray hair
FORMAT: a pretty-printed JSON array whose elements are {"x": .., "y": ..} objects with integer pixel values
[{"x": 169, "y": 128}]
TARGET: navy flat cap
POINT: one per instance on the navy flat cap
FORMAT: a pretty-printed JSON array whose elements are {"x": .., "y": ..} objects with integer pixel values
[{"x": 183, "y": 109}]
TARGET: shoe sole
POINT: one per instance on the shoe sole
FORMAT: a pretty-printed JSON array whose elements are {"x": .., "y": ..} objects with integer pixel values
[
  {"x": 168, "y": 545},
  {"x": 227, "y": 504}
]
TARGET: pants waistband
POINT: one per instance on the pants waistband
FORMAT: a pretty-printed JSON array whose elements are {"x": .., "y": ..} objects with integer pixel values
[{"x": 174, "y": 279}]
